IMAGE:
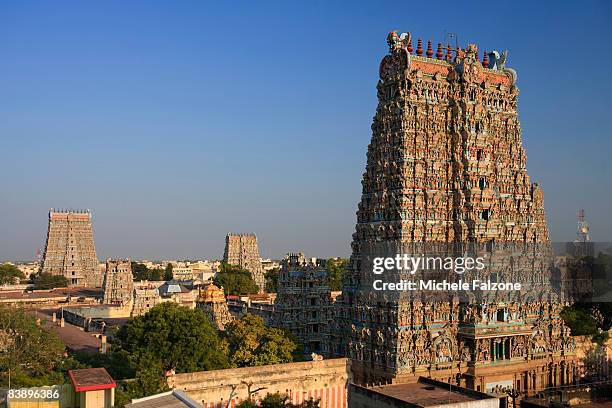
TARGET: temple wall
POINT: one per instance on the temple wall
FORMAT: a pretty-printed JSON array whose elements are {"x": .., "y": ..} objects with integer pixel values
[
  {"x": 325, "y": 380},
  {"x": 100, "y": 311},
  {"x": 598, "y": 358}
]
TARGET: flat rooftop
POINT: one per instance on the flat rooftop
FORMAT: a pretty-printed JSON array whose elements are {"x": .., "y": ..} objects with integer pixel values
[
  {"x": 73, "y": 337},
  {"x": 60, "y": 293},
  {"x": 423, "y": 394},
  {"x": 426, "y": 392},
  {"x": 169, "y": 399},
  {"x": 596, "y": 404}
]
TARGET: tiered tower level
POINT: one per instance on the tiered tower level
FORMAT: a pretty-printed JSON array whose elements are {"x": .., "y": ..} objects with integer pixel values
[
  {"x": 445, "y": 165},
  {"x": 70, "y": 249},
  {"x": 242, "y": 250},
  {"x": 118, "y": 282}
]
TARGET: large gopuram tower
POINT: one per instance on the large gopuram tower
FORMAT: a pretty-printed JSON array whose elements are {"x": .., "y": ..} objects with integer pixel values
[
  {"x": 242, "y": 250},
  {"x": 70, "y": 249},
  {"x": 446, "y": 168}
]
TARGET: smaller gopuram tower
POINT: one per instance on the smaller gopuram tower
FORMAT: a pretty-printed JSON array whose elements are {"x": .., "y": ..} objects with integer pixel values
[
  {"x": 70, "y": 249},
  {"x": 118, "y": 282},
  {"x": 242, "y": 250},
  {"x": 304, "y": 304},
  {"x": 212, "y": 301}
]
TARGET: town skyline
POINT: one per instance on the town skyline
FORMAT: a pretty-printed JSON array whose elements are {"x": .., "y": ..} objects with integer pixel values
[
  {"x": 118, "y": 118},
  {"x": 205, "y": 257}
]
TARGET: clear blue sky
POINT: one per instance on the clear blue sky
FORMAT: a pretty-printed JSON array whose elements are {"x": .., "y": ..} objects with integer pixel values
[{"x": 177, "y": 122}]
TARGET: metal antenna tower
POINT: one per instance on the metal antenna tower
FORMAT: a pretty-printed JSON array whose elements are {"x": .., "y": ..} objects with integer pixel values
[{"x": 583, "y": 228}]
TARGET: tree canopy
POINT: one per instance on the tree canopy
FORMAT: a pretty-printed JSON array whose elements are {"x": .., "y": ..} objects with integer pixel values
[
  {"x": 10, "y": 274},
  {"x": 272, "y": 280},
  {"x": 588, "y": 319},
  {"x": 168, "y": 274},
  {"x": 235, "y": 280},
  {"x": 171, "y": 336},
  {"x": 585, "y": 316},
  {"x": 278, "y": 400},
  {"x": 335, "y": 272},
  {"x": 48, "y": 281},
  {"x": 33, "y": 355},
  {"x": 140, "y": 272},
  {"x": 251, "y": 343},
  {"x": 168, "y": 336}
]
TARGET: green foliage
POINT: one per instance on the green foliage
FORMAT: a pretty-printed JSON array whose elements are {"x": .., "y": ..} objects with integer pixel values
[
  {"x": 272, "y": 280},
  {"x": 251, "y": 343},
  {"x": 235, "y": 280},
  {"x": 169, "y": 337},
  {"x": 117, "y": 363},
  {"x": 311, "y": 403},
  {"x": 581, "y": 319},
  {"x": 10, "y": 274},
  {"x": 603, "y": 313},
  {"x": 136, "y": 378},
  {"x": 168, "y": 275},
  {"x": 335, "y": 272},
  {"x": 140, "y": 272},
  {"x": 156, "y": 274},
  {"x": 597, "y": 269},
  {"x": 33, "y": 355},
  {"x": 149, "y": 379},
  {"x": 601, "y": 337},
  {"x": 278, "y": 400},
  {"x": 122, "y": 396},
  {"x": 586, "y": 317},
  {"x": 47, "y": 281}
]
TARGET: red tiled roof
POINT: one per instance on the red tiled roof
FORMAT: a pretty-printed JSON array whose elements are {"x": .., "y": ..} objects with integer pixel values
[{"x": 91, "y": 379}]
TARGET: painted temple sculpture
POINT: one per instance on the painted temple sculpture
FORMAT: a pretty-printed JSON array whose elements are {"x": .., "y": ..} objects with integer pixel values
[{"x": 446, "y": 165}]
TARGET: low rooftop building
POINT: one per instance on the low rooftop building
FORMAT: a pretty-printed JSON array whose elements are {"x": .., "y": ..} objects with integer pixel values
[
  {"x": 426, "y": 393},
  {"x": 169, "y": 399},
  {"x": 589, "y": 395},
  {"x": 88, "y": 388}
]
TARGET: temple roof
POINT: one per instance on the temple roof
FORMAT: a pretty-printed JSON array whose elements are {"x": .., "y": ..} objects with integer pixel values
[{"x": 491, "y": 68}]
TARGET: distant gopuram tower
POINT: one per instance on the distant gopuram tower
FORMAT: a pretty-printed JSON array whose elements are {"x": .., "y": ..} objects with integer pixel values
[
  {"x": 242, "y": 250},
  {"x": 118, "y": 282},
  {"x": 70, "y": 249},
  {"x": 446, "y": 170}
]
